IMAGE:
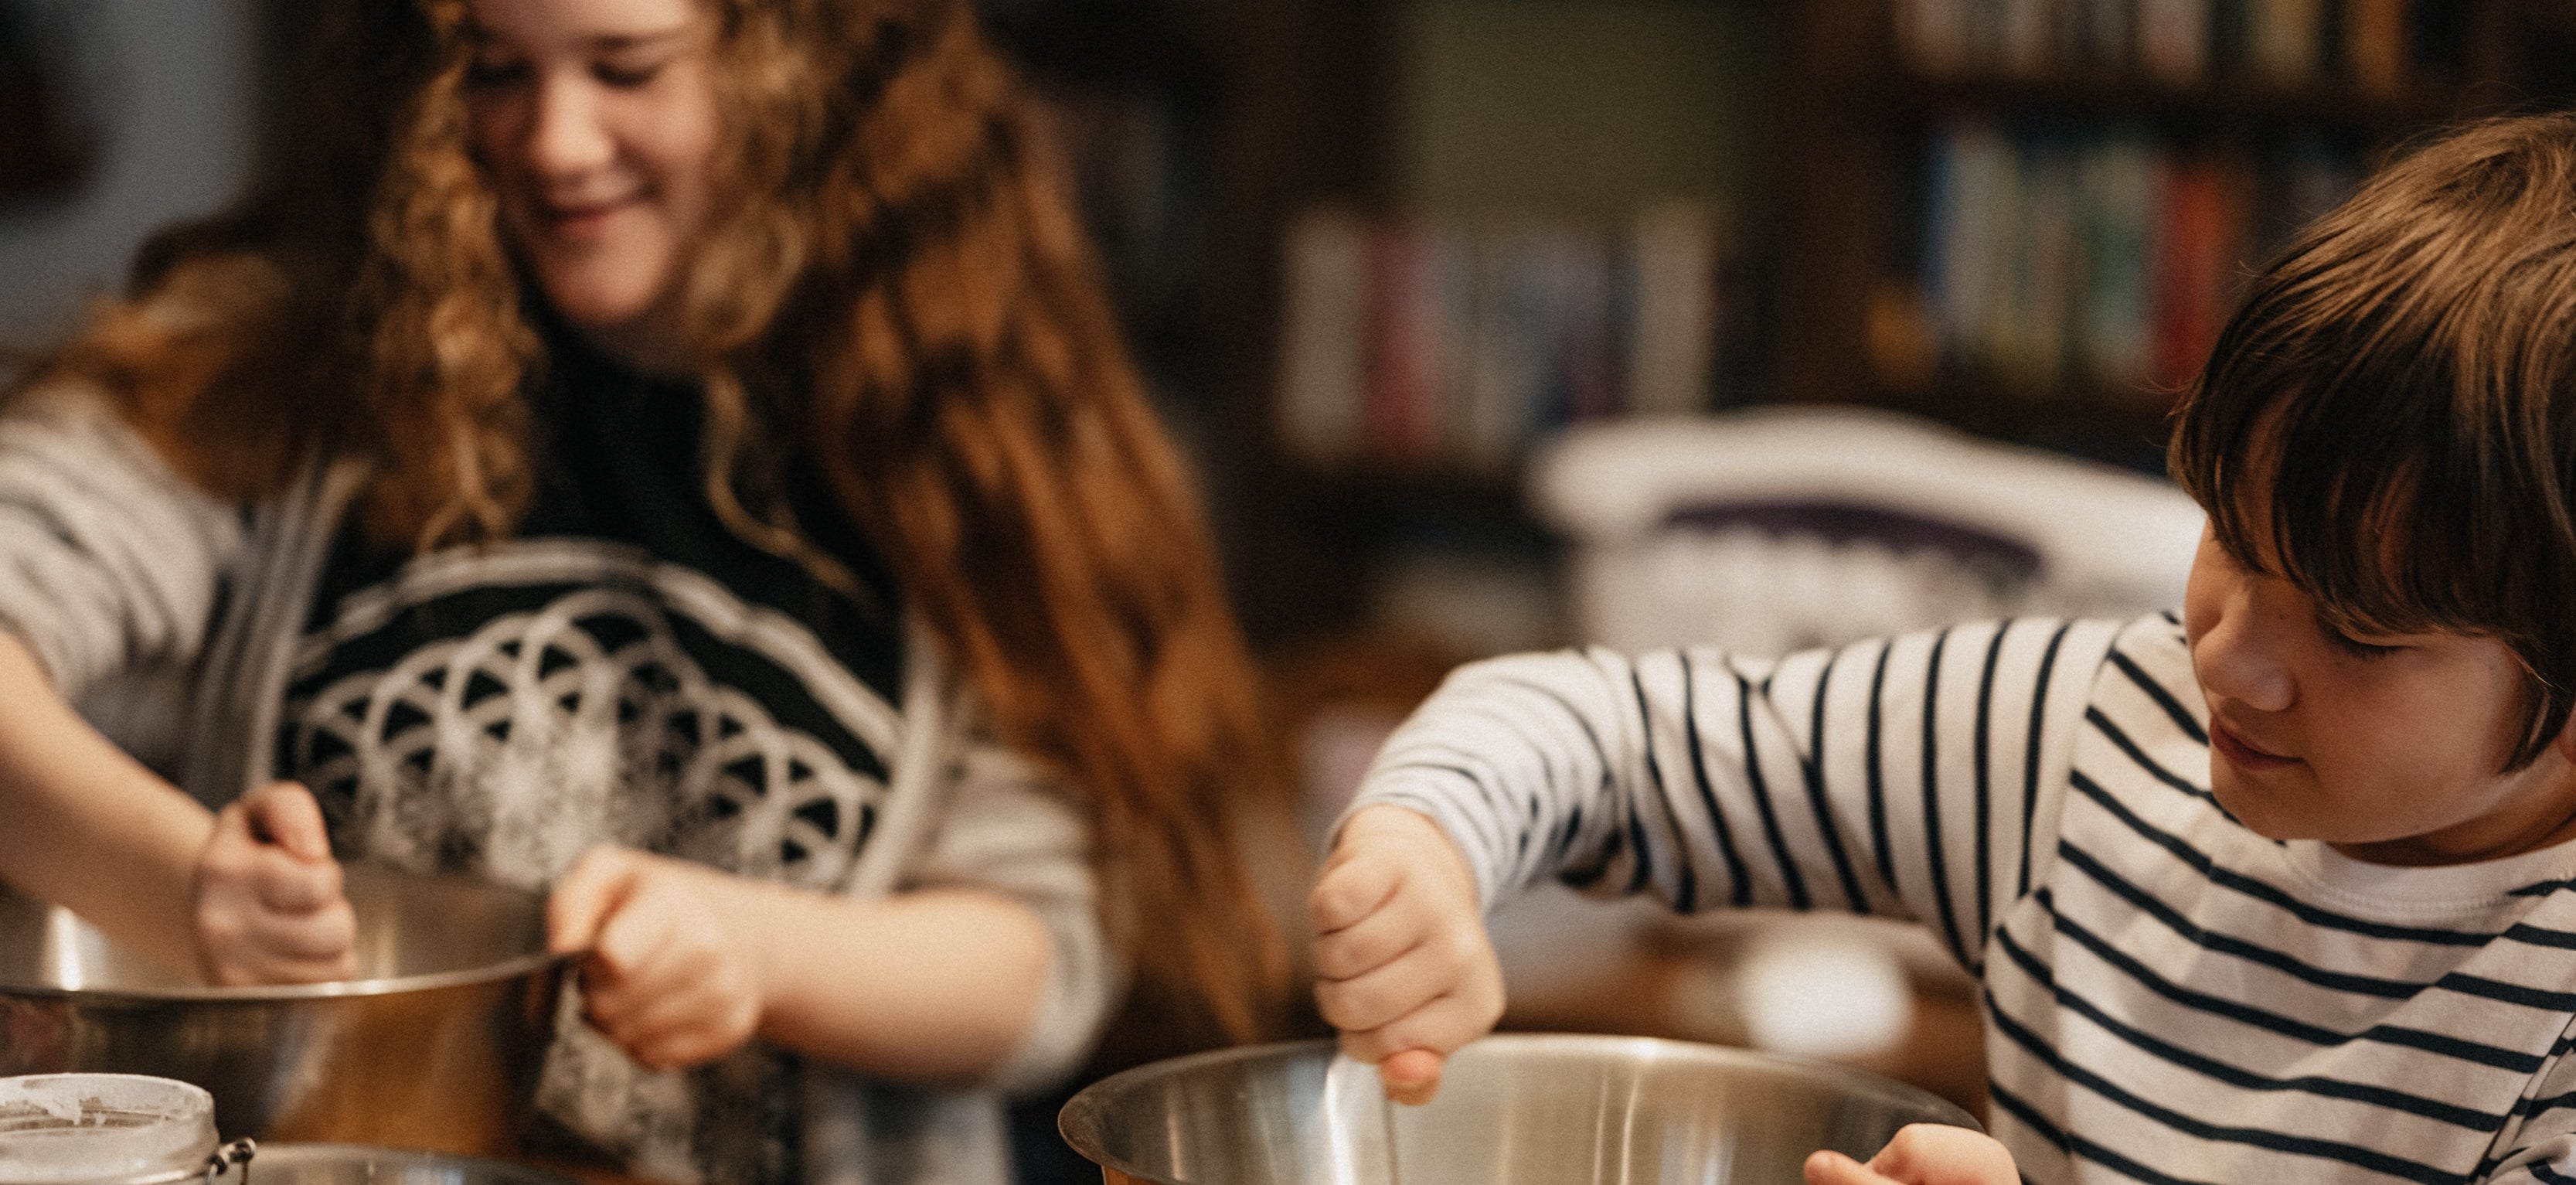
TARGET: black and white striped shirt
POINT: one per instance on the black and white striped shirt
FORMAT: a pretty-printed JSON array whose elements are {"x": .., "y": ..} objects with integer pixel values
[{"x": 2169, "y": 996}]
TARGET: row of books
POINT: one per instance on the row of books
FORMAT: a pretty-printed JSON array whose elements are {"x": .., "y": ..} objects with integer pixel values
[
  {"x": 2370, "y": 45},
  {"x": 1416, "y": 343},
  {"x": 2056, "y": 260}
]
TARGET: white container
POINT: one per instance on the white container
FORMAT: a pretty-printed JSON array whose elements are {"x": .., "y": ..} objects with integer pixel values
[{"x": 92, "y": 1129}]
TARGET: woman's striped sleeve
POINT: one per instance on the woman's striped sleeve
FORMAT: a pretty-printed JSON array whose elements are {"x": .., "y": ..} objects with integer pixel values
[{"x": 1905, "y": 776}]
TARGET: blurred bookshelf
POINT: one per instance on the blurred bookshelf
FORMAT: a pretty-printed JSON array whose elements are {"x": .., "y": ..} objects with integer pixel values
[
  {"x": 2029, "y": 217},
  {"x": 1373, "y": 251}
]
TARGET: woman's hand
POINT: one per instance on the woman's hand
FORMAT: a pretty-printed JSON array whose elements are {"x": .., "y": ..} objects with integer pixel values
[
  {"x": 269, "y": 906},
  {"x": 1405, "y": 969},
  {"x": 668, "y": 972},
  {"x": 1921, "y": 1154}
]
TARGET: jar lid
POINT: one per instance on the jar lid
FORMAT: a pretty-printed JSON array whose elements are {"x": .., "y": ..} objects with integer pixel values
[{"x": 82, "y": 1129}]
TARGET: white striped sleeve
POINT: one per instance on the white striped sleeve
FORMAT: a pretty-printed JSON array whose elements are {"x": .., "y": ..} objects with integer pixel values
[
  {"x": 109, "y": 560},
  {"x": 1905, "y": 776},
  {"x": 2538, "y": 1142}
]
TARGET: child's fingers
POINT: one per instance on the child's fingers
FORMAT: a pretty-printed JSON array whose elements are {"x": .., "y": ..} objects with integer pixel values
[
  {"x": 1449, "y": 960},
  {"x": 583, "y": 900},
  {"x": 284, "y": 814},
  {"x": 1827, "y": 1167},
  {"x": 1412, "y": 1077},
  {"x": 1440, "y": 1026},
  {"x": 1349, "y": 891},
  {"x": 1377, "y": 997},
  {"x": 1367, "y": 944},
  {"x": 1939, "y": 1154}
]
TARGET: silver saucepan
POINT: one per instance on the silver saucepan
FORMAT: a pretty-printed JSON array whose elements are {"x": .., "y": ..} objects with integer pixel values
[
  {"x": 1530, "y": 1109},
  {"x": 435, "y": 1045}
]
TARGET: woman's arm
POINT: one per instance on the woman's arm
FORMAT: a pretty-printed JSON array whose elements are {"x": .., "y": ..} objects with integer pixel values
[
  {"x": 89, "y": 827},
  {"x": 250, "y": 895},
  {"x": 686, "y": 963},
  {"x": 990, "y": 968}
]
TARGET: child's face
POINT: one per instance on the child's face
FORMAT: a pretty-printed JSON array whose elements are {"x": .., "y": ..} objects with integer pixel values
[
  {"x": 597, "y": 121},
  {"x": 2387, "y": 747}
]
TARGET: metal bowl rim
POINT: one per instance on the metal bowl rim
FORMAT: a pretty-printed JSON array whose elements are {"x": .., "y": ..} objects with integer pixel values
[
  {"x": 290, "y": 1153},
  {"x": 1080, "y": 1119},
  {"x": 506, "y": 969}
]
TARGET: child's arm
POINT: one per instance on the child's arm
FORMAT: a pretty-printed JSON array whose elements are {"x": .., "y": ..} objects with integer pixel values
[{"x": 1904, "y": 777}]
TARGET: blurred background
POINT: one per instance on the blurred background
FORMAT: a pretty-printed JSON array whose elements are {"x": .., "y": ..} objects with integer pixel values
[
  {"x": 1376, "y": 253},
  {"x": 1495, "y": 324}
]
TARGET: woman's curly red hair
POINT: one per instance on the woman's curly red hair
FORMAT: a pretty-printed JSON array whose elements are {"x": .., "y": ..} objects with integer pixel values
[{"x": 896, "y": 290}]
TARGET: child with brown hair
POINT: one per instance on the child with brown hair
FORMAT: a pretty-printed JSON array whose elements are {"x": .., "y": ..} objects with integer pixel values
[{"x": 2278, "y": 889}]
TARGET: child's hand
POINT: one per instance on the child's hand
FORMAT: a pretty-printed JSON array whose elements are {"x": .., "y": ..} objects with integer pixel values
[
  {"x": 1921, "y": 1154},
  {"x": 1405, "y": 969},
  {"x": 665, "y": 974},
  {"x": 269, "y": 906}
]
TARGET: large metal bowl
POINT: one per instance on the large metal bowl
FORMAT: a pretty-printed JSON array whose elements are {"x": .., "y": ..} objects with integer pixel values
[
  {"x": 435, "y": 1045},
  {"x": 347, "y": 1164},
  {"x": 1518, "y": 1109}
]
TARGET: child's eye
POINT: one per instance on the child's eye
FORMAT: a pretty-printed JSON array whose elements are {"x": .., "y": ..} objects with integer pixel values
[{"x": 2357, "y": 647}]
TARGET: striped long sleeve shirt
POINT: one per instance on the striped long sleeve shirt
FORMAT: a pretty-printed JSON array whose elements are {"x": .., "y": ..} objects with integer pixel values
[{"x": 2169, "y": 997}]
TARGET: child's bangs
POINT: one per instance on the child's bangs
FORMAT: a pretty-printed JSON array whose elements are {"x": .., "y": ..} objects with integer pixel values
[{"x": 2352, "y": 483}]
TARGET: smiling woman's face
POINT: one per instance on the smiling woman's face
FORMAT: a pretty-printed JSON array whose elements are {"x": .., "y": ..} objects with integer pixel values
[
  {"x": 597, "y": 121},
  {"x": 2387, "y": 747}
]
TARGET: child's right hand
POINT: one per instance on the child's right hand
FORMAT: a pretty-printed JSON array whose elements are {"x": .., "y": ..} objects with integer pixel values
[
  {"x": 269, "y": 905},
  {"x": 1404, "y": 967},
  {"x": 1921, "y": 1154}
]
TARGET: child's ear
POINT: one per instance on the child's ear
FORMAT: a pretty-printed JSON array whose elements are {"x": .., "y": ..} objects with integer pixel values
[{"x": 2565, "y": 744}]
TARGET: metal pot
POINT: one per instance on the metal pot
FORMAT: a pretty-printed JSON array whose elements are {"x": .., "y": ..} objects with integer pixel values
[
  {"x": 348, "y": 1164},
  {"x": 1525, "y": 1108},
  {"x": 435, "y": 1045}
]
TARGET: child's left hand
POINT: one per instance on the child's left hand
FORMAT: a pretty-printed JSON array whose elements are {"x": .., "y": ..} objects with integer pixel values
[
  {"x": 667, "y": 974},
  {"x": 1921, "y": 1154}
]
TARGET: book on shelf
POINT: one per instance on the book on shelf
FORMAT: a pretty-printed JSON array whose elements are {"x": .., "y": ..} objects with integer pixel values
[
  {"x": 1408, "y": 297},
  {"x": 2288, "y": 44},
  {"x": 1325, "y": 315},
  {"x": 2102, "y": 260},
  {"x": 1433, "y": 344}
]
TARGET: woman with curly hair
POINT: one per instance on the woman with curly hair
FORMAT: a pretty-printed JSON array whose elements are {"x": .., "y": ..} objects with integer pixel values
[{"x": 675, "y": 454}]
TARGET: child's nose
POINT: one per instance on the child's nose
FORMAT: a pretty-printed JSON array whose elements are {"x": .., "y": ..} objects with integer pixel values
[{"x": 2237, "y": 659}]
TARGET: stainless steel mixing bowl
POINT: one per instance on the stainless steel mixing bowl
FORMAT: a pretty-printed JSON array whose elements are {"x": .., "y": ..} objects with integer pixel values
[
  {"x": 1514, "y": 1109},
  {"x": 435, "y": 1044},
  {"x": 349, "y": 1164}
]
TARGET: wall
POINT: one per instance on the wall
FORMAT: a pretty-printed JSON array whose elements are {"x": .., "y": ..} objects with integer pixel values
[
  {"x": 171, "y": 85},
  {"x": 1580, "y": 108}
]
